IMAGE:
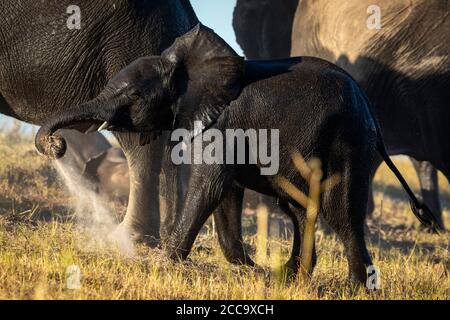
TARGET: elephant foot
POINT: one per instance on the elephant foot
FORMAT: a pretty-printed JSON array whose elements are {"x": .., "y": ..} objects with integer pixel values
[
  {"x": 176, "y": 255},
  {"x": 138, "y": 234},
  {"x": 244, "y": 261},
  {"x": 439, "y": 229},
  {"x": 238, "y": 255},
  {"x": 288, "y": 272}
]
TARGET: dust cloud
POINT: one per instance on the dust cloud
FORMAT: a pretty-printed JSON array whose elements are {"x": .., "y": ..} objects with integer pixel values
[{"x": 93, "y": 215}]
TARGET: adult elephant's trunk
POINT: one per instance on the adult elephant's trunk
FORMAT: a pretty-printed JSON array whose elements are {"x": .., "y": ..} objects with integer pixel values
[{"x": 53, "y": 145}]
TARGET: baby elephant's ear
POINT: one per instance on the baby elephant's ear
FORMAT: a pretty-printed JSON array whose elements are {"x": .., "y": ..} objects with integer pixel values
[{"x": 213, "y": 75}]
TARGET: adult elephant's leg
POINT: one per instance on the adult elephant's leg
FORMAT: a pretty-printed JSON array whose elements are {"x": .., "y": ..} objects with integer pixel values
[
  {"x": 228, "y": 220},
  {"x": 142, "y": 219},
  {"x": 429, "y": 187}
]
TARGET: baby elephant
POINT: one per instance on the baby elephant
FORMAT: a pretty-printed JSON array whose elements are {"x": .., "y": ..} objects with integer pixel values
[{"x": 317, "y": 108}]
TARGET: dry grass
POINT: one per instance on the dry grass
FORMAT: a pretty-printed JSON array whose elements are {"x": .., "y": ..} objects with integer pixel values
[{"x": 35, "y": 253}]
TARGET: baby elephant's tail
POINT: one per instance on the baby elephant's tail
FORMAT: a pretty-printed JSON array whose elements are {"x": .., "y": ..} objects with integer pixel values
[{"x": 420, "y": 210}]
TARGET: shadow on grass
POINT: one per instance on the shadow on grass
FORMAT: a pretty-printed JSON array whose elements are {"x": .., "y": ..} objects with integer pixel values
[
  {"x": 396, "y": 193},
  {"x": 404, "y": 246},
  {"x": 30, "y": 213}
]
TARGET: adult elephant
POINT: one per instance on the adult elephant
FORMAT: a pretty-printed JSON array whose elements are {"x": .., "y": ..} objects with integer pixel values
[
  {"x": 93, "y": 161},
  {"x": 48, "y": 66},
  {"x": 386, "y": 62},
  {"x": 264, "y": 27}
]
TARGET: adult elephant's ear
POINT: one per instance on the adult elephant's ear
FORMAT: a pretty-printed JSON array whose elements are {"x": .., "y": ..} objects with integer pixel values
[{"x": 208, "y": 75}]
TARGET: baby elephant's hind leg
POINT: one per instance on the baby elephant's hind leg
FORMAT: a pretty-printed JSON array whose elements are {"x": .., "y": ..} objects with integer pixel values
[
  {"x": 344, "y": 209},
  {"x": 298, "y": 217}
]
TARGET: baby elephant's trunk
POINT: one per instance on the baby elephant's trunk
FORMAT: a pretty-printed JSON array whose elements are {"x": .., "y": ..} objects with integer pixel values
[{"x": 53, "y": 145}]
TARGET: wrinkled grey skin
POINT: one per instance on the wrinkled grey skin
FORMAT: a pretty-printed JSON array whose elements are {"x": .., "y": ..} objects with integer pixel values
[
  {"x": 67, "y": 67},
  {"x": 263, "y": 41},
  {"x": 201, "y": 78},
  {"x": 46, "y": 70},
  {"x": 92, "y": 158},
  {"x": 404, "y": 67}
]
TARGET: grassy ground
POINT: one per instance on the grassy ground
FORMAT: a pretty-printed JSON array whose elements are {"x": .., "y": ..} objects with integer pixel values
[{"x": 39, "y": 240}]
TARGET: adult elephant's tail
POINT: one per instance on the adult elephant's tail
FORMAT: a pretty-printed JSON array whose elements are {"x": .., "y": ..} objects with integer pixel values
[{"x": 420, "y": 210}]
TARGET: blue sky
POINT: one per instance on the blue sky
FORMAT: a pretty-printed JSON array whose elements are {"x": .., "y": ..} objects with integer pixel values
[{"x": 216, "y": 14}]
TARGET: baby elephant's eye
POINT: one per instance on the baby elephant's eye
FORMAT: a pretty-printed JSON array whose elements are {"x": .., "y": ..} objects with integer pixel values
[{"x": 133, "y": 93}]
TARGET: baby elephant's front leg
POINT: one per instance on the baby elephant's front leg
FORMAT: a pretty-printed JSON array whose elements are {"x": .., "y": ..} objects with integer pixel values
[{"x": 207, "y": 187}]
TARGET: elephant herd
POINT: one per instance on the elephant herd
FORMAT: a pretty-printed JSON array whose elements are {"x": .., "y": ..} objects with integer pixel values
[
  {"x": 143, "y": 69},
  {"x": 404, "y": 67}
]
